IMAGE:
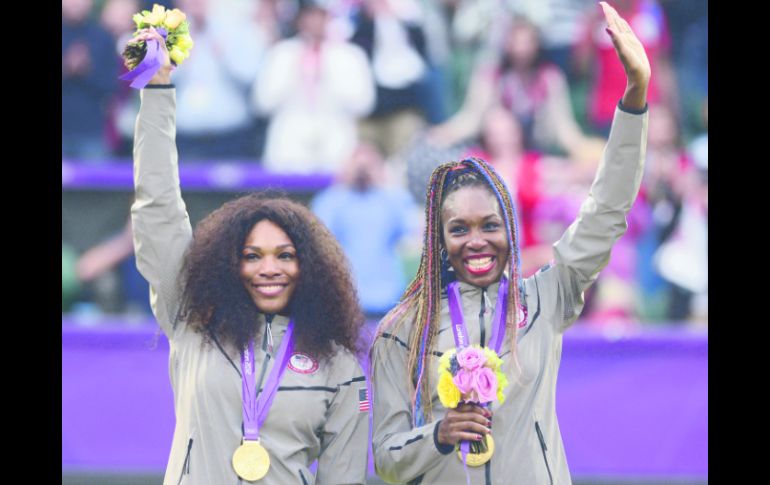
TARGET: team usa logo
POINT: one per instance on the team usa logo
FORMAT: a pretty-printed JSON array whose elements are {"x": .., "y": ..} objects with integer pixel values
[{"x": 302, "y": 363}]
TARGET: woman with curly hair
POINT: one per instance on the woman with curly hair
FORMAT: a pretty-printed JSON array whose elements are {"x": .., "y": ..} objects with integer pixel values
[
  {"x": 262, "y": 320},
  {"x": 470, "y": 277}
]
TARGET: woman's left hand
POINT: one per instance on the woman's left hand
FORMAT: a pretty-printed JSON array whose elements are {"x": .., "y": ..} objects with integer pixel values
[{"x": 633, "y": 56}]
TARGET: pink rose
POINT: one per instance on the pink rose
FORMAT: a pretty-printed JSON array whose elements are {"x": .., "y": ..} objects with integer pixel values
[
  {"x": 485, "y": 384},
  {"x": 464, "y": 381},
  {"x": 471, "y": 358}
]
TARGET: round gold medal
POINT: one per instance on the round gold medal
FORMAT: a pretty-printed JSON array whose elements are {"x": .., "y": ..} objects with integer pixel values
[
  {"x": 478, "y": 459},
  {"x": 251, "y": 461}
]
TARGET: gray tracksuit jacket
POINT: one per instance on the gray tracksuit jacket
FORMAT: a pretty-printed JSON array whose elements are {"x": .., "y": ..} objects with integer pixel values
[
  {"x": 316, "y": 413},
  {"x": 529, "y": 448}
]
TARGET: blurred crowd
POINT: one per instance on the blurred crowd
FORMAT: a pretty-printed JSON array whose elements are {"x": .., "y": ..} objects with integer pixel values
[{"x": 379, "y": 92}]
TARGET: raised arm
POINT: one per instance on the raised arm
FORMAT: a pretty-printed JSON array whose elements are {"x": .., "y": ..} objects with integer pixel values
[
  {"x": 584, "y": 249},
  {"x": 161, "y": 226}
]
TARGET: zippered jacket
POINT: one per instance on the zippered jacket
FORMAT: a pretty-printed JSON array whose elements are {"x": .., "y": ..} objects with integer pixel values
[
  {"x": 528, "y": 443},
  {"x": 320, "y": 411}
]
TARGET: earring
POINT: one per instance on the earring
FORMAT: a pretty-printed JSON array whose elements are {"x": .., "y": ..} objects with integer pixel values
[{"x": 445, "y": 260}]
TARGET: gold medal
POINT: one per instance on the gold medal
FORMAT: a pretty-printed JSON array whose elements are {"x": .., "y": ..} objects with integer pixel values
[
  {"x": 251, "y": 460},
  {"x": 478, "y": 459}
]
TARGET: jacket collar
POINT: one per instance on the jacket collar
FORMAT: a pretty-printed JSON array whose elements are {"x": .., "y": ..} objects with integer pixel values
[
  {"x": 467, "y": 289},
  {"x": 278, "y": 324}
]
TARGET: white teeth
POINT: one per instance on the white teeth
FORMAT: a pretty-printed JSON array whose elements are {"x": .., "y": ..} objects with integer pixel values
[
  {"x": 479, "y": 262},
  {"x": 270, "y": 288}
]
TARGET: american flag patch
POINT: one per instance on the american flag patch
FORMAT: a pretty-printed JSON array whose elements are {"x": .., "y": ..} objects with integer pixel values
[{"x": 363, "y": 400}]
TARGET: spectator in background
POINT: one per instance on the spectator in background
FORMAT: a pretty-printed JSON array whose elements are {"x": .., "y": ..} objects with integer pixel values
[
  {"x": 682, "y": 258},
  {"x": 370, "y": 220},
  {"x": 459, "y": 33},
  {"x": 596, "y": 55},
  {"x": 688, "y": 21},
  {"x": 390, "y": 34},
  {"x": 314, "y": 89},
  {"x": 536, "y": 92},
  {"x": 89, "y": 78},
  {"x": 114, "y": 259},
  {"x": 697, "y": 203},
  {"x": 667, "y": 182},
  {"x": 214, "y": 119},
  {"x": 116, "y": 18},
  {"x": 561, "y": 24}
]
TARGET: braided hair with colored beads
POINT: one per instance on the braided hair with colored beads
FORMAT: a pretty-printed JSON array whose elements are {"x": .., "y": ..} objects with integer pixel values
[{"x": 420, "y": 304}]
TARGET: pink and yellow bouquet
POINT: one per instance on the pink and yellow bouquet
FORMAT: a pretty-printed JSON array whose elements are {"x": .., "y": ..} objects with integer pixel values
[{"x": 472, "y": 375}]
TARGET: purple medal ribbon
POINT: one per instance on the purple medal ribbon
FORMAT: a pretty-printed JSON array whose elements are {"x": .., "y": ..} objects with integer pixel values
[
  {"x": 146, "y": 69},
  {"x": 498, "y": 319},
  {"x": 255, "y": 410},
  {"x": 461, "y": 335},
  {"x": 458, "y": 321}
]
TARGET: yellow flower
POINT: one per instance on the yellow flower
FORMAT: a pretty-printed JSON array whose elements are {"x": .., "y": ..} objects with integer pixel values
[
  {"x": 174, "y": 18},
  {"x": 448, "y": 393},
  {"x": 493, "y": 361},
  {"x": 184, "y": 42},
  {"x": 138, "y": 19},
  {"x": 443, "y": 362},
  {"x": 157, "y": 16},
  {"x": 502, "y": 382},
  {"x": 178, "y": 55}
]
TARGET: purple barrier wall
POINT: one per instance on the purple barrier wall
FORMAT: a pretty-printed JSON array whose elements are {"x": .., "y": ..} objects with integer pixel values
[
  {"x": 230, "y": 175},
  {"x": 634, "y": 407}
]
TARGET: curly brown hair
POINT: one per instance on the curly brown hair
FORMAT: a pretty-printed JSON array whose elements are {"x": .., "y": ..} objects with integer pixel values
[{"x": 215, "y": 302}]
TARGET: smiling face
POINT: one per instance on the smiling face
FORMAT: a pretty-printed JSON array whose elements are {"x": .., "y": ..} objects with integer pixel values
[
  {"x": 474, "y": 235},
  {"x": 269, "y": 267}
]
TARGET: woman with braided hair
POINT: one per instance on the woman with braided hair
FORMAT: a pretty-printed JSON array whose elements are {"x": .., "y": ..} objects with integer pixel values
[{"x": 471, "y": 237}]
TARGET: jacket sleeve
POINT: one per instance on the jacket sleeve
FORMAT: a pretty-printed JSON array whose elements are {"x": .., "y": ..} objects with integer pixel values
[
  {"x": 344, "y": 454},
  {"x": 161, "y": 226},
  {"x": 584, "y": 249},
  {"x": 401, "y": 452}
]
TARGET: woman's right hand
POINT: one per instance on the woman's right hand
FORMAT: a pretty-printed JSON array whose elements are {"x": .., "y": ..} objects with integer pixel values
[
  {"x": 632, "y": 55},
  {"x": 163, "y": 76},
  {"x": 465, "y": 422}
]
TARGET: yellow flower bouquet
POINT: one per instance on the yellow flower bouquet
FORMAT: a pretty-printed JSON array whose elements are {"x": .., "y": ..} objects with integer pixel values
[{"x": 142, "y": 57}]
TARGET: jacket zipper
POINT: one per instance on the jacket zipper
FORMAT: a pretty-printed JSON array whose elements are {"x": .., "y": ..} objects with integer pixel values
[
  {"x": 186, "y": 464},
  {"x": 267, "y": 347},
  {"x": 302, "y": 476},
  {"x": 544, "y": 448}
]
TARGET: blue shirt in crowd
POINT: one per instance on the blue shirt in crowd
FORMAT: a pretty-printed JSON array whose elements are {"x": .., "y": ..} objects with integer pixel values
[{"x": 369, "y": 225}]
